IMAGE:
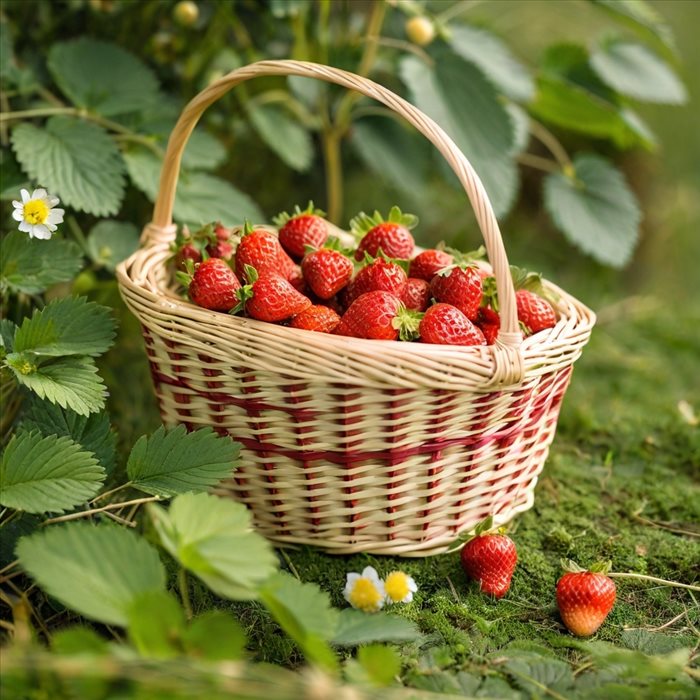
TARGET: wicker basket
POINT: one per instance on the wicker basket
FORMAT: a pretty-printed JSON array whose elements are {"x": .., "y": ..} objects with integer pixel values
[{"x": 356, "y": 445}]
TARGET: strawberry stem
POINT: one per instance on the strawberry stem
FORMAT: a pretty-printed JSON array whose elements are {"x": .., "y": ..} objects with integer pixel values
[{"x": 653, "y": 579}]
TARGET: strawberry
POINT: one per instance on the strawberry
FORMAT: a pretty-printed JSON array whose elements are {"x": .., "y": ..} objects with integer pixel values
[
  {"x": 534, "y": 312},
  {"x": 301, "y": 229},
  {"x": 444, "y": 324},
  {"x": 585, "y": 597},
  {"x": 380, "y": 274},
  {"x": 187, "y": 251},
  {"x": 270, "y": 297},
  {"x": 326, "y": 272},
  {"x": 461, "y": 286},
  {"x": 380, "y": 316},
  {"x": 489, "y": 323},
  {"x": 213, "y": 285},
  {"x": 316, "y": 318},
  {"x": 417, "y": 294},
  {"x": 261, "y": 250},
  {"x": 391, "y": 236},
  {"x": 220, "y": 245},
  {"x": 428, "y": 263},
  {"x": 490, "y": 559}
]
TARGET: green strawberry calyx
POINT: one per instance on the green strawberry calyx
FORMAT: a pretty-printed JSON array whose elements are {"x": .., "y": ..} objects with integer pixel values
[
  {"x": 485, "y": 527},
  {"x": 185, "y": 278},
  {"x": 283, "y": 217},
  {"x": 245, "y": 292},
  {"x": 362, "y": 223},
  {"x": 599, "y": 567},
  {"x": 407, "y": 322},
  {"x": 331, "y": 243}
]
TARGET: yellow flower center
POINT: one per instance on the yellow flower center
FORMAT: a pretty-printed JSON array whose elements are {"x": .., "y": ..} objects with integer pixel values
[
  {"x": 396, "y": 586},
  {"x": 36, "y": 212},
  {"x": 365, "y": 595}
]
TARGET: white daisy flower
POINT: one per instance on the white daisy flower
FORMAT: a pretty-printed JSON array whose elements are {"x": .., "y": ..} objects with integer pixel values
[
  {"x": 37, "y": 214},
  {"x": 365, "y": 591},
  {"x": 399, "y": 587}
]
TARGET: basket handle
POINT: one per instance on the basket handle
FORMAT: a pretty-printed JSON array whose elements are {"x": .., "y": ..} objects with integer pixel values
[{"x": 162, "y": 230}]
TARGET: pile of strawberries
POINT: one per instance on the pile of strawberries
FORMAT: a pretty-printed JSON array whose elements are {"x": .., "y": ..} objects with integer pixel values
[{"x": 380, "y": 290}]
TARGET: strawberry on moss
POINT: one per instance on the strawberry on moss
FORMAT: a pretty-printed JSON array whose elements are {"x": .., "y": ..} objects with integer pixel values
[
  {"x": 390, "y": 235},
  {"x": 301, "y": 229},
  {"x": 489, "y": 558}
]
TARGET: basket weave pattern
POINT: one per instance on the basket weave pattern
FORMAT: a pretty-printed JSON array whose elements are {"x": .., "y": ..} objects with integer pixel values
[{"x": 357, "y": 445}]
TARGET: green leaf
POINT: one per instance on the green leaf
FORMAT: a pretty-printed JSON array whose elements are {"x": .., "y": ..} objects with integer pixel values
[
  {"x": 96, "y": 570},
  {"x": 641, "y": 17},
  {"x": 13, "y": 179},
  {"x": 597, "y": 211},
  {"x": 521, "y": 127},
  {"x": 74, "y": 159},
  {"x": 356, "y": 627},
  {"x": 94, "y": 432},
  {"x": 7, "y": 334},
  {"x": 155, "y": 621},
  {"x": 494, "y": 58},
  {"x": 47, "y": 474},
  {"x": 284, "y": 135},
  {"x": 19, "y": 526},
  {"x": 175, "y": 461},
  {"x": 70, "y": 382},
  {"x": 77, "y": 640},
  {"x": 212, "y": 538},
  {"x": 382, "y": 664},
  {"x": 635, "y": 71},
  {"x": 462, "y": 101},
  {"x": 569, "y": 94},
  {"x": 393, "y": 153},
  {"x": 102, "y": 77},
  {"x": 215, "y": 636},
  {"x": 203, "y": 151},
  {"x": 31, "y": 266},
  {"x": 533, "y": 672},
  {"x": 200, "y": 197},
  {"x": 68, "y": 326},
  {"x": 304, "y": 612},
  {"x": 110, "y": 242}
]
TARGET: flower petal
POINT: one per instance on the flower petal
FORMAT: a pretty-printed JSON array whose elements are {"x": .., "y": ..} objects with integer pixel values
[
  {"x": 25, "y": 196},
  {"x": 17, "y": 205},
  {"x": 26, "y": 228},
  {"x": 18, "y": 214},
  {"x": 39, "y": 193},
  {"x": 42, "y": 233},
  {"x": 55, "y": 216}
]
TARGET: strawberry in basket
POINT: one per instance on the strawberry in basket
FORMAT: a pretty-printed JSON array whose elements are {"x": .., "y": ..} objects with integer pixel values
[
  {"x": 378, "y": 315},
  {"x": 269, "y": 297},
  {"x": 392, "y": 236},
  {"x": 327, "y": 271},
  {"x": 428, "y": 263},
  {"x": 211, "y": 284},
  {"x": 210, "y": 241},
  {"x": 260, "y": 250},
  {"x": 379, "y": 274},
  {"x": 301, "y": 229}
]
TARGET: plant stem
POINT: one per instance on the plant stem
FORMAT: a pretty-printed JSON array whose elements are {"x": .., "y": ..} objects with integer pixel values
[
  {"x": 539, "y": 163},
  {"x": 100, "y": 496},
  {"x": 39, "y": 112},
  {"x": 547, "y": 139},
  {"x": 334, "y": 130},
  {"x": 653, "y": 579},
  {"x": 78, "y": 234},
  {"x": 94, "y": 511},
  {"x": 404, "y": 46},
  {"x": 184, "y": 592},
  {"x": 334, "y": 175}
]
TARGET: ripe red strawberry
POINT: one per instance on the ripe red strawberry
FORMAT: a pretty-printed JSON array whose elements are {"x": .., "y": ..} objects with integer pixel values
[
  {"x": 301, "y": 229},
  {"x": 380, "y": 316},
  {"x": 270, "y": 298},
  {"x": 428, "y": 263},
  {"x": 326, "y": 272},
  {"x": 417, "y": 294},
  {"x": 444, "y": 324},
  {"x": 261, "y": 250},
  {"x": 316, "y": 318},
  {"x": 380, "y": 274},
  {"x": 534, "y": 312},
  {"x": 459, "y": 286},
  {"x": 391, "y": 236},
  {"x": 490, "y": 559},
  {"x": 214, "y": 285},
  {"x": 585, "y": 597},
  {"x": 489, "y": 322}
]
